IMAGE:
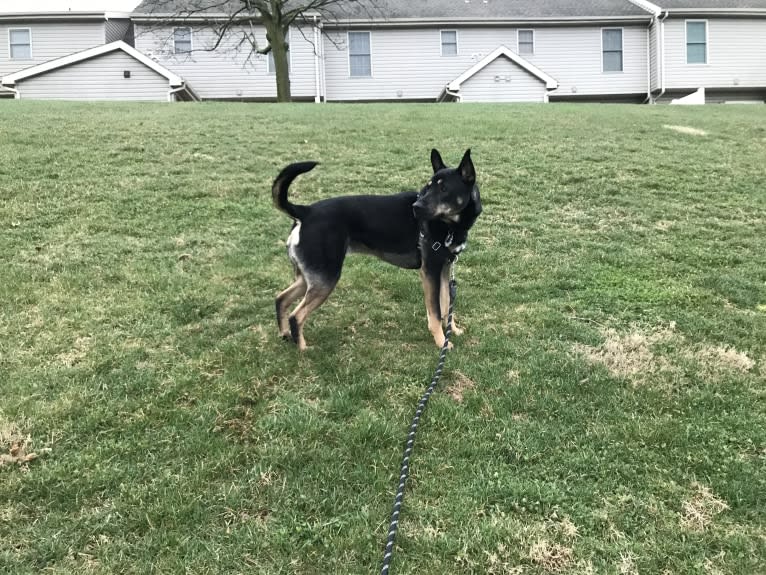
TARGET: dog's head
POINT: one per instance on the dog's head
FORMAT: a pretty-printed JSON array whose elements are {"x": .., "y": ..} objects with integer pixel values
[{"x": 451, "y": 195}]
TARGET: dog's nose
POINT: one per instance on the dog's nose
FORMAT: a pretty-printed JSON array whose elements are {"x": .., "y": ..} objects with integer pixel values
[{"x": 418, "y": 209}]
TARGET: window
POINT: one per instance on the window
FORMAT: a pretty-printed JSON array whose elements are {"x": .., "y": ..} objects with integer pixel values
[
  {"x": 359, "y": 58},
  {"x": 449, "y": 42},
  {"x": 696, "y": 42},
  {"x": 270, "y": 67},
  {"x": 20, "y": 41},
  {"x": 182, "y": 40},
  {"x": 611, "y": 48},
  {"x": 526, "y": 41}
]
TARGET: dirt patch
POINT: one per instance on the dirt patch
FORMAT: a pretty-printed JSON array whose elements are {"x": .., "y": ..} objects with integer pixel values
[
  {"x": 685, "y": 130},
  {"x": 698, "y": 511},
  {"x": 15, "y": 446},
  {"x": 459, "y": 385}
]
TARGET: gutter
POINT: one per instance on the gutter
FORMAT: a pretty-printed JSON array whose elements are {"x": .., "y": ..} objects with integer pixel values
[{"x": 479, "y": 22}]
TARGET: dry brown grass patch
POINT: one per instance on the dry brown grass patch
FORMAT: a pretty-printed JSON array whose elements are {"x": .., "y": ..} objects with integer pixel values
[
  {"x": 723, "y": 358},
  {"x": 685, "y": 130},
  {"x": 552, "y": 557},
  {"x": 631, "y": 355},
  {"x": 699, "y": 510}
]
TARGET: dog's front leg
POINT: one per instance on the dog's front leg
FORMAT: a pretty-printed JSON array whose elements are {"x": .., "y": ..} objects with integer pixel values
[
  {"x": 444, "y": 300},
  {"x": 430, "y": 276}
]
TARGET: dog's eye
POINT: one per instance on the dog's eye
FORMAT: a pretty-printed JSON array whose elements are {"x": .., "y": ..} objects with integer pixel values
[{"x": 439, "y": 182}]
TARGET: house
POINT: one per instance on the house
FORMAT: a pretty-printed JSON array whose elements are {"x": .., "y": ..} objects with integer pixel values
[
  {"x": 717, "y": 45},
  {"x": 434, "y": 50},
  {"x": 28, "y": 39},
  {"x": 412, "y": 51},
  {"x": 79, "y": 56}
]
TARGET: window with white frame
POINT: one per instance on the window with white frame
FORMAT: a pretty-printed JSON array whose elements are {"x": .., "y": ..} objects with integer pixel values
[
  {"x": 696, "y": 42},
  {"x": 182, "y": 40},
  {"x": 449, "y": 42},
  {"x": 526, "y": 41},
  {"x": 611, "y": 48},
  {"x": 359, "y": 54},
  {"x": 20, "y": 43}
]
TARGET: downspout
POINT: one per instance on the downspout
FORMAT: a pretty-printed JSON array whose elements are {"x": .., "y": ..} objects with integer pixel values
[
  {"x": 317, "y": 73},
  {"x": 649, "y": 63},
  {"x": 662, "y": 54},
  {"x": 322, "y": 71}
]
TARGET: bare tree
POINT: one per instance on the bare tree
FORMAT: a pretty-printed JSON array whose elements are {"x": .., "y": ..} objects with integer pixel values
[{"x": 237, "y": 18}]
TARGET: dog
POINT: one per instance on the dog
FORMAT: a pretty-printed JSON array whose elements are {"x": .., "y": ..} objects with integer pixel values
[{"x": 411, "y": 230}]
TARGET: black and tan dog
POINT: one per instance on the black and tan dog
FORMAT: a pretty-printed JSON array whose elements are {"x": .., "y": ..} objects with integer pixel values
[{"x": 412, "y": 230}]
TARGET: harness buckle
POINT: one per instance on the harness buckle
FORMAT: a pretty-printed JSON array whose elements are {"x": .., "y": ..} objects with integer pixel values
[{"x": 436, "y": 247}]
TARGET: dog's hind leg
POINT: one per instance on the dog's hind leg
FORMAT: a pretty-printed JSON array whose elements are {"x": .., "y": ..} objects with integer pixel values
[
  {"x": 285, "y": 299},
  {"x": 444, "y": 301},
  {"x": 315, "y": 296}
]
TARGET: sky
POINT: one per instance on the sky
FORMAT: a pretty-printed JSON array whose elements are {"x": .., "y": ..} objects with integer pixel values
[{"x": 66, "y": 5}]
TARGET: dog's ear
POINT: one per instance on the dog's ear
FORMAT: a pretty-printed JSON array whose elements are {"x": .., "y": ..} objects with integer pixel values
[
  {"x": 436, "y": 160},
  {"x": 466, "y": 169}
]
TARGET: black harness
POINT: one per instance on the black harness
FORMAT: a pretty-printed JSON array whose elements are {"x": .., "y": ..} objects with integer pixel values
[{"x": 444, "y": 248}]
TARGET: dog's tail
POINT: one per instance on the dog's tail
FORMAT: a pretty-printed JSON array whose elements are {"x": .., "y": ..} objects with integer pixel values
[{"x": 283, "y": 181}]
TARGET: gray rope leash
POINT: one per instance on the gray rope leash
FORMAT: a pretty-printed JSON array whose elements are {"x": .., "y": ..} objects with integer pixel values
[{"x": 405, "y": 468}]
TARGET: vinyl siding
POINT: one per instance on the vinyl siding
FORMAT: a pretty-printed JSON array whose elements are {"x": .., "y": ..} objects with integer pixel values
[
  {"x": 229, "y": 71},
  {"x": 736, "y": 51},
  {"x": 503, "y": 81},
  {"x": 100, "y": 78},
  {"x": 407, "y": 63},
  {"x": 50, "y": 41}
]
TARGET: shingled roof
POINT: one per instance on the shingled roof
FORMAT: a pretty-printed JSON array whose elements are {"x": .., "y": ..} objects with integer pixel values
[
  {"x": 431, "y": 9},
  {"x": 723, "y": 5}
]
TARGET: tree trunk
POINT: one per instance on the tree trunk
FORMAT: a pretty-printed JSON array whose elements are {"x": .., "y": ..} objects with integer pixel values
[{"x": 277, "y": 39}]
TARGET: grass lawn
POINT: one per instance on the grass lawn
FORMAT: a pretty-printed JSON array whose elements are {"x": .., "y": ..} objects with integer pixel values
[{"x": 605, "y": 411}]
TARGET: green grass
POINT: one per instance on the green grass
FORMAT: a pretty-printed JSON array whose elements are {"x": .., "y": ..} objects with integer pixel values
[{"x": 603, "y": 413}]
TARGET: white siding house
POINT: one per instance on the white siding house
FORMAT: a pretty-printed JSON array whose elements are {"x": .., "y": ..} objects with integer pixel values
[
  {"x": 409, "y": 64},
  {"x": 114, "y": 71},
  {"x": 717, "y": 45},
  {"x": 30, "y": 39},
  {"x": 440, "y": 50}
]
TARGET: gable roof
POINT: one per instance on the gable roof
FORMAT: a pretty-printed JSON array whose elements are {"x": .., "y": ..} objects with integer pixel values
[
  {"x": 12, "y": 79},
  {"x": 550, "y": 83}
]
